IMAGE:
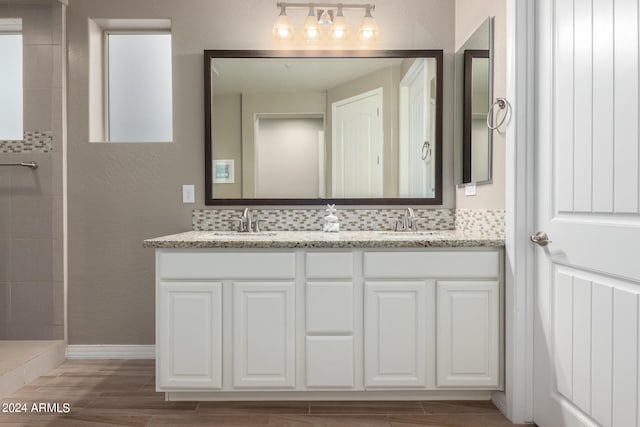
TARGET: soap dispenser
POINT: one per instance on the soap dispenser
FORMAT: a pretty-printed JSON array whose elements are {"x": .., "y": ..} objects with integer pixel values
[{"x": 331, "y": 220}]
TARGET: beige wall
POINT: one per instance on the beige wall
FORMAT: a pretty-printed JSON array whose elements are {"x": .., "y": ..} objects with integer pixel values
[
  {"x": 120, "y": 194},
  {"x": 469, "y": 14}
]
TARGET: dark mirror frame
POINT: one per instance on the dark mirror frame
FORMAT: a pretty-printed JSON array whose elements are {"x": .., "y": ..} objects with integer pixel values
[
  {"x": 468, "y": 119},
  {"x": 211, "y": 54}
]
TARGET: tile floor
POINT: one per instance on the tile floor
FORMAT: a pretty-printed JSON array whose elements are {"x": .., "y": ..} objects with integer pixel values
[{"x": 122, "y": 393}]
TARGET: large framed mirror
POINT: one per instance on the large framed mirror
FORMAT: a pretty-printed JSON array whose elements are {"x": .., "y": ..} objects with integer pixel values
[
  {"x": 474, "y": 95},
  {"x": 317, "y": 127}
]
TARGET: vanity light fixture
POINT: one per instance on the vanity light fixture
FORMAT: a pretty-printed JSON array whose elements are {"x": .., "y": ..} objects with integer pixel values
[{"x": 324, "y": 14}]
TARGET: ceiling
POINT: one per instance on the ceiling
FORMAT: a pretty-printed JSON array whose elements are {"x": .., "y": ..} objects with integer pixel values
[{"x": 264, "y": 75}]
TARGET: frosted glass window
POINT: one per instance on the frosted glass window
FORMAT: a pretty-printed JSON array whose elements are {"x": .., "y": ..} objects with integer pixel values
[
  {"x": 139, "y": 87},
  {"x": 11, "y": 87}
]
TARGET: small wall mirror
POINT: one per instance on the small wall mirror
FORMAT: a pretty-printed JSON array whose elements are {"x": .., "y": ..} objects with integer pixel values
[
  {"x": 312, "y": 127},
  {"x": 474, "y": 95}
]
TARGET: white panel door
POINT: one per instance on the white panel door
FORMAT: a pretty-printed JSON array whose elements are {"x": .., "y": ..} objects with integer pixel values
[
  {"x": 587, "y": 191},
  {"x": 189, "y": 339},
  {"x": 395, "y": 329},
  {"x": 263, "y": 335},
  {"x": 467, "y": 334},
  {"x": 357, "y": 146}
]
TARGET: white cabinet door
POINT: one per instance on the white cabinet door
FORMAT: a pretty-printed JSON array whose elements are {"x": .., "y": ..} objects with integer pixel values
[
  {"x": 189, "y": 338},
  {"x": 395, "y": 334},
  {"x": 263, "y": 335},
  {"x": 467, "y": 334}
]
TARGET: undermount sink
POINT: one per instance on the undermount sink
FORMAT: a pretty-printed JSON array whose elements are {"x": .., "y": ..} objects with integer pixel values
[
  {"x": 409, "y": 234},
  {"x": 215, "y": 234}
]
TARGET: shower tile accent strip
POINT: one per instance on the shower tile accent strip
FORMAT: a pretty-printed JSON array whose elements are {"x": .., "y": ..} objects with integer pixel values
[
  {"x": 486, "y": 222},
  {"x": 312, "y": 219},
  {"x": 33, "y": 142}
]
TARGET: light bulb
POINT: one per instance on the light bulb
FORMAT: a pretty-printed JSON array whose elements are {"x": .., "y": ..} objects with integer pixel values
[
  {"x": 339, "y": 30},
  {"x": 367, "y": 34},
  {"x": 282, "y": 29},
  {"x": 368, "y": 29}
]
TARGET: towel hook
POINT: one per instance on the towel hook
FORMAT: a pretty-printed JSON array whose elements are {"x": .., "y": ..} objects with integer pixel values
[{"x": 503, "y": 104}]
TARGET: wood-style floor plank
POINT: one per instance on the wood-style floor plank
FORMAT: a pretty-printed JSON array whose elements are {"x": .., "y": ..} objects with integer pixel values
[{"x": 122, "y": 393}]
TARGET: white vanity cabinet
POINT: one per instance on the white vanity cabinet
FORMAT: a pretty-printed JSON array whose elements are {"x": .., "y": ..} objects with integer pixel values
[
  {"x": 250, "y": 293},
  {"x": 432, "y": 313},
  {"x": 328, "y": 322}
]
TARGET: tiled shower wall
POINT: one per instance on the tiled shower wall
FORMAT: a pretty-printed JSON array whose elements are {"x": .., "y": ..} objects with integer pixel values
[{"x": 31, "y": 201}]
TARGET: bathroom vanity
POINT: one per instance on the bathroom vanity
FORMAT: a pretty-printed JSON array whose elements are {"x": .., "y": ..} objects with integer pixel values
[{"x": 312, "y": 315}]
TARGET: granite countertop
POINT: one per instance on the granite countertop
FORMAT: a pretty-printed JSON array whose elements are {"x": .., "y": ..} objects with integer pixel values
[{"x": 319, "y": 239}]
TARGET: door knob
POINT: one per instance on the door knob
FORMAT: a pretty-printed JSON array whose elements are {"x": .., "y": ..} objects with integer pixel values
[{"x": 540, "y": 238}]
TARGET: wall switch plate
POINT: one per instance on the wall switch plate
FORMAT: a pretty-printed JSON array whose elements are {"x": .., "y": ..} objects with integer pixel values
[
  {"x": 189, "y": 193},
  {"x": 470, "y": 189}
]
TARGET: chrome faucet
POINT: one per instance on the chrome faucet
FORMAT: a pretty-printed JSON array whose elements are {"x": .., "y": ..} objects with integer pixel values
[
  {"x": 247, "y": 223},
  {"x": 244, "y": 222},
  {"x": 409, "y": 222}
]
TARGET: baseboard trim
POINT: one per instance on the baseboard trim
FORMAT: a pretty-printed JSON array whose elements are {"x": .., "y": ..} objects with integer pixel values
[
  {"x": 111, "y": 352},
  {"x": 499, "y": 398}
]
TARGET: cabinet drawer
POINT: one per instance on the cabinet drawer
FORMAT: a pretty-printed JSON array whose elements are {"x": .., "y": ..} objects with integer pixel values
[
  {"x": 330, "y": 362},
  {"x": 204, "y": 264},
  {"x": 330, "y": 308},
  {"x": 329, "y": 265},
  {"x": 456, "y": 264}
]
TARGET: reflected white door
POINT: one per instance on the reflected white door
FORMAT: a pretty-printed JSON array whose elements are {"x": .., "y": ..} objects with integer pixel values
[
  {"x": 586, "y": 364},
  {"x": 417, "y": 132},
  {"x": 357, "y": 146}
]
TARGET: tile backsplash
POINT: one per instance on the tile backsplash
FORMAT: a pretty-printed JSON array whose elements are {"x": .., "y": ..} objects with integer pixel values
[
  {"x": 488, "y": 222},
  {"x": 485, "y": 221},
  {"x": 312, "y": 219}
]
